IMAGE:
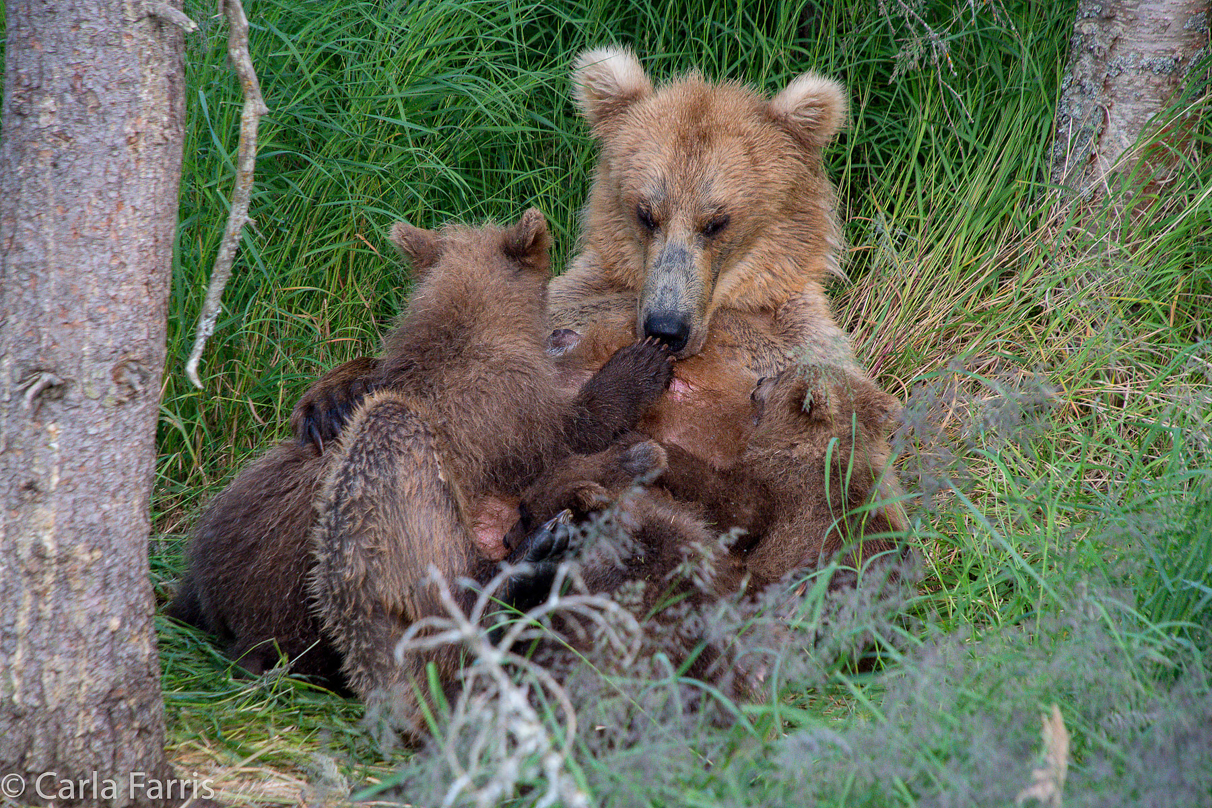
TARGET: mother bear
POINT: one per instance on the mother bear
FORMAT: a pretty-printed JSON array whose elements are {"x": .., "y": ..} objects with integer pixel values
[{"x": 710, "y": 225}]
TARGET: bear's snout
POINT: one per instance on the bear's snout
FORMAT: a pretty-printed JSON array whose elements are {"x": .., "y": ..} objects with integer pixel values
[
  {"x": 669, "y": 328},
  {"x": 673, "y": 299}
]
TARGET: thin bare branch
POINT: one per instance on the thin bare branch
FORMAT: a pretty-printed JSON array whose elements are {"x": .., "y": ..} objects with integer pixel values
[
  {"x": 250, "y": 116},
  {"x": 177, "y": 17}
]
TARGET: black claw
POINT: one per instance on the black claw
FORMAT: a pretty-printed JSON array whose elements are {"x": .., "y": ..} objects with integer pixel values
[
  {"x": 541, "y": 546},
  {"x": 562, "y": 535},
  {"x": 550, "y": 540},
  {"x": 313, "y": 433},
  {"x": 545, "y": 547}
]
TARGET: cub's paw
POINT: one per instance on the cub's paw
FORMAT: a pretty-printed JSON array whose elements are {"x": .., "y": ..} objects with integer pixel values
[
  {"x": 539, "y": 555},
  {"x": 644, "y": 461},
  {"x": 549, "y": 543},
  {"x": 646, "y": 366},
  {"x": 321, "y": 413}
]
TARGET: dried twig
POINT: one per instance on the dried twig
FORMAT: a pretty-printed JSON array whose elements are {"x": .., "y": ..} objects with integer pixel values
[
  {"x": 495, "y": 739},
  {"x": 177, "y": 17},
  {"x": 1048, "y": 780},
  {"x": 250, "y": 116}
]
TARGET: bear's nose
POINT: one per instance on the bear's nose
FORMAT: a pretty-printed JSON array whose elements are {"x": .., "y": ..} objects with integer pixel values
[{"x": 669, "y": 329}]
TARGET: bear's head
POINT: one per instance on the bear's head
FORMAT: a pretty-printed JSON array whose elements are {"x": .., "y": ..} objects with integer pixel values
[
  {"x": 818, "y": 412},
  {"x": 479, "y": 281},
  {"x": 707, "y": 195}
]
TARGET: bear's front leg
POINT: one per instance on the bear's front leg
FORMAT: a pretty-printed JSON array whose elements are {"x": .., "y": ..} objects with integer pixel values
[
  {"x": 613, "y": 400},
  {"x": 326, "y": 405}
]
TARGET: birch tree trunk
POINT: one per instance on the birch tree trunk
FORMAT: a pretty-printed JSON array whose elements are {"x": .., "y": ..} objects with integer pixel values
[
  {"x": 1127, "y": 59},
  {"x": 90, "y": 164}
]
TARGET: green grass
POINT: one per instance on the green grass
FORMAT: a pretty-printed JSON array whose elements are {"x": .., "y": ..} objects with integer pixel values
[{"x": 1054, "y": 360}]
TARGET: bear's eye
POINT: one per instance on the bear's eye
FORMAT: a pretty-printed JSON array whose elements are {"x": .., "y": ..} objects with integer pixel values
[
  {"x": 646, "y": 218},
  {"x": 716, "y": 224}
]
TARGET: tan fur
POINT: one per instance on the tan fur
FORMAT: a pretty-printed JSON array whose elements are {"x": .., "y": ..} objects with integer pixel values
[
  {"x": 674, "y": 160},
  {"x": 689, "y": 152},
  {"x": 707, "y": 406},
  {"x": 749, "y": 297}
]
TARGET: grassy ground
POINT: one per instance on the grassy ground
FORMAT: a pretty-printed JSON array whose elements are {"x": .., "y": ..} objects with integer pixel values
[{"x": 1054, "y": 360}]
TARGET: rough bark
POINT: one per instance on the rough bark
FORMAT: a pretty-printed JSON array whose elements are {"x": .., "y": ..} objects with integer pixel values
[
  {"x": 90, "y": 163},
  {"x": 1126, "y": 61}
]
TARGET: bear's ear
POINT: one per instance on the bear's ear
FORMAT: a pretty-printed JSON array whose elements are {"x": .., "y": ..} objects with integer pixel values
[
  {"x": 789, "y": 395},
  {"x": 644, "y": 459},
  {"x": 761, "y": 392},
  {"x": 812, "y": 108},
  {"x": 876, "y": 407},
  {"x": 561, "y": 341},
  {"x": 421, "y": 248},
  {"x": 587, "y": 496},
  {"x": 811, "y": 401},
  {"x": 528, "y": 241},
  {"x": 605, "y": 82}
]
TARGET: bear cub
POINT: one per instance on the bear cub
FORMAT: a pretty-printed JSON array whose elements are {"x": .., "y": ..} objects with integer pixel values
[
  {"x": 427, "y": 472},
  {"x": 809, "y": 483},
  {"x": 651, "y": 515},
  {"x": 804, "y": 490},
  {"x": 250, "y": 557},
  {"x": 631, "y": 540}
]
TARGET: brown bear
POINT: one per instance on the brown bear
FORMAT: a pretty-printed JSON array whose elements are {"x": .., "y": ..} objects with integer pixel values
[
  {"x": 250, "y": 554},
  {"x": 657, "y": 555},
  {"x": 802, "y": 494},
  {"x": 793, "y": 428},
  {"x": 707, "y": 199},
  {"x": 247, "y": 563},
  {"x": 474, "y": 412},
  {"x": 808, "y": 483},
  {"x": 711, "y": 226}
]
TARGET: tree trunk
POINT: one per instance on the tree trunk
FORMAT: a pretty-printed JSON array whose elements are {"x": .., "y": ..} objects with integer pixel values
[
  {"x": 1126, "y": 61},
  {"x": 90, "y": 163}
]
